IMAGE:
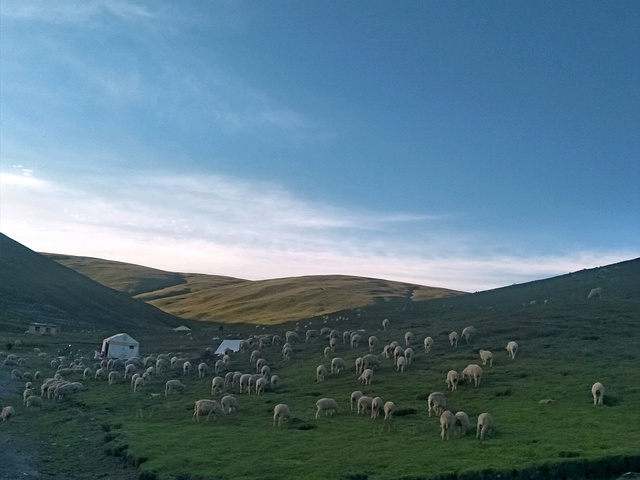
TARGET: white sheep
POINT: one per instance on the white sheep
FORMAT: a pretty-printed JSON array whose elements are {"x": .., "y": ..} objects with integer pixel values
[
  {"x": 355, "y": 396},
  {"x": 447, "y": 423},
  {"x": 261, "y": 385},
  {"x": 327, "y": 351},
  {"x": 138, "y": 384},
  {"x": 202, "y": 370},
  {"x": 436, "y": 403},
  {"x": 364, "y": 404},
  {"x": 485, "y": 425},
  {"x": 265, "y": 371},
  {"x": 34, "y": 401},
  {"x": 26, "y": 394},
  {"x": 333, "y": 343},
  {"x": 275, "y": 381},
  {"x": 261, "y": 362},
  {"x": 286, "y": 353},
  {"x": 255, "y": 355},
  {"x": 385, "y": 324},
  {"x": 355, "y": 340},
  {"x": 337, "y": 365},
  {"x": 453, "y": 339},
  {"x": 463, "y": 424},
  {"x": 7, "y": 413},
  {"x": 229, "y": 404},
  {"x": 486, "y": 356},
  {"x": 87, "y": 373},
  {"x": 173, "y": 386},
  {"x": 370, "y": 361},
  {"x": 474, "y": 372},
  {"x": 389, "y": 408},
  {"x": 452, "y": 380},
  {"x": 321, "y": 371},
  {"x": 596, "y": 292},
  {"x": 408, "y": 338},
  {"x": 598, "y": 393},
  {"x": 128, "y": 370},
  {"x": 397, "y": 353},
  {"x": 217, "y": 385},
  {"x": 326, "y": 405},
  {"x": 402, "y": 362},
  {"x": 101, "y": 374},
  {"x": 428, "y": 344},
  {"x": 114, "y": 377},
  {"x": 245, "y": 383},
  {"x": 281, "y": 413},
  {"x": 206, "y": 406},
  {"x": 512, "y": 348},
  {"x": 468, "y": 332},
  {"x": 366, "y": 377},
  {"x": 377, "y": 406},
  {"x": 186, "y": 368}
]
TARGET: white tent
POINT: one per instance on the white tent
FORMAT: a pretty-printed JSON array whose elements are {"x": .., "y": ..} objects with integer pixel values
[
  {"x": 233, "y": 345},
  {"x": 120, "y": 346},
  {"x": 182, "y": 328}
]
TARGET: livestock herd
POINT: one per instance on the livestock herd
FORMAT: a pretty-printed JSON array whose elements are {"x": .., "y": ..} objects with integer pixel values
[{"x": 226, "y": 383}]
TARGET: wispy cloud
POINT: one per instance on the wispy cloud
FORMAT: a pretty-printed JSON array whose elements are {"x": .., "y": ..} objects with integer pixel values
[{"x": 219, "y": 225}]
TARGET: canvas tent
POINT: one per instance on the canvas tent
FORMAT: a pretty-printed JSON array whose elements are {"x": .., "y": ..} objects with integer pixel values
[
  {"x": 182, "y": 328},
  {"x": 119, "y": 346},
  {"x": 233, "y": 345}
]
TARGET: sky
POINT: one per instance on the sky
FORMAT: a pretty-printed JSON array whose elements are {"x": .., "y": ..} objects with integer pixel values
[{"x": 465, "y": 145}]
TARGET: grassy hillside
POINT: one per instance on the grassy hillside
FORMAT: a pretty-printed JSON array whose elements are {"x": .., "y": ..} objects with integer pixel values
[
  {"x": 35, "y": 288},
  {"x": 213, "y": 298},
  {"x": 566, "y": 344}
]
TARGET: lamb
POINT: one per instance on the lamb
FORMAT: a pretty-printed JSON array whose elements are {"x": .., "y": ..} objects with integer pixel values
[
  {"x": 7, "y": 413},
  {"x": 281, "y": 414},
  {"x": 229, "y": 404},
  {"x": 596, "y": 292},
  {"x": 373, "y": 343},
  {"x": 408, "y": 338},
  {"x": 326, "y": 405},
  {"x": 486, "y": 356},
  {"x": 202, "y": 370},
  {"x": 468, "y": 332},
  {"x": 474, "y": 372},
  {"x": 377, "y": 406},
  {"x": 598, "y": 393},
  {"x": 463, "y": 425},
  {"x": 364, "y": 404},
  {"x": 402, "y": 361},
  {"x": 173, "y": 386},
  {"x": 453, "y": 339},
  {"x": 114, "y": 377},
  {"x": 452, "y": 380},
  {"x": 338, "y": 364},
  {"x": 355, "y": 396},
  {"x": 206, "y": 406},
  {"x": 366, "y": 377},
  {"x": 447, "y": 423},
  {"x": 389, "y": 408},
  {"x": 385, "y": 324},
  {"x": 34, "y": 401},
  {"x": 321, "y": 371},
  {"x": 436, "y": 403},
  {"x": 217, "y": 384},
  {"x": 512, "y": 348},
  {"x": 428, "y": 344},
  {"x": 485, "y": 425}
]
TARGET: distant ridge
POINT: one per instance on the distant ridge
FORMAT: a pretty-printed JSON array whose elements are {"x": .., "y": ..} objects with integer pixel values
[{"x": 35, "y": 288}]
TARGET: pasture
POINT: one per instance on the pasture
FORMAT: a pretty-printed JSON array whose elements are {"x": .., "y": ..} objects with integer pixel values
[{"x": 565, "y": 345}]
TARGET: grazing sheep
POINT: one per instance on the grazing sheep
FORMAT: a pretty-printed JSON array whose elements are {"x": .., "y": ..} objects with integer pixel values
[
  {"x": 463, "y": 424},
  {"x": 596, "y": 292},
  {"x": 408, "y": 354},
  {"x": 364, "y": 405},
  {"x": 206, "y": 406},
  {"x": 598, "y": 393},
  {"x": 327, "y": 351},
  {"x": 114, "y": 376},
  {"x": 33, "y": 402},
  {"x": 355, "y": 396},
  {"x": 397, "y": 353},
  {"x": 512, "y": 348},
  {"x": 162, "y": 364},
  {"x": 26, "y": 394},
  {"x": 389, "y": 408},
  {"x": 485, "y": 425},
  {"x": 138, "y": 384},
  {"x": 468, "y": 333},
  {"x": 402, "y": 362},
  {"x": 321, "y": 371},
  {"x": 447, "y": 423},
  {"x": 261, "y": 362},
  {"x": 7, "y": 413},
  {"x": 265, "y": 371},
  {"x": 229, "y": 404},
  {"x": 245, "y": 383},
  {"x": 453, "y": 339},
  {"x": 128, "y": 370},
  {"x": 291, "y": 337},
  {"x": 286, "y": 353},
  {"x": 275, "y": 381},
  {"x": 370, "y": 361},
  {"x": 333, "y": 343},
  {"x": 87, "y": 373},
  {"x": 377, "y": 406},
  {"x": 202, "y": 370},
  {"x": 474, "y": 372},
  {"x": 337, "y": 365},
  {"x": 16, "y": 374},
  {"x": 281, "y": 414},
  {"x": 255, "y": 355},
  {"x": 486, "y": 356},
  {"x": 408, "y": 338},
  {"x": 173, "y": 386},
  {"x": 312, "y": 335},
  {"x": 436, "y": 403},
  {"x": 373, "y": 343},
  {"x": 326, "y": 405},
  {"x": 217, "y": 384},
  {"x": 428, "y": 344},
  {"x": 355, "y": 340},
  {"x": 385, "y": 324},
  {"x": 452, "y": 380},
  {"x": 366, "y": 377},
  {"x": 261, "y": 385}
]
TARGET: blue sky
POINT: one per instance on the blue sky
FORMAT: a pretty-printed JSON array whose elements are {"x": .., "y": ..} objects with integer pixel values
[{"x": 466, "y": 145}]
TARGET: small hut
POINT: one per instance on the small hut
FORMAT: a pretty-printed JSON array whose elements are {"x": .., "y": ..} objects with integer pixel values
[
  {"x": 42, "y": 329},
  {"x": 119, "y": 346}
]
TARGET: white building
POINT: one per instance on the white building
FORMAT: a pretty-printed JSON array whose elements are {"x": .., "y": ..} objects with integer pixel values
[{"x": 119, "y": 346}]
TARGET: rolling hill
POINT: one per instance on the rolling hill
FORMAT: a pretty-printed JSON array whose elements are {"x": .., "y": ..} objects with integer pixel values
[
  {"x": 35, "y": 288},
  {"x": 211, "y": 298}
]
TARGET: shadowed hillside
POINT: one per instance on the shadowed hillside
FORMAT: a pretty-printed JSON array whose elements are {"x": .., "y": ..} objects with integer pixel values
[
  {"x": 35, "y": 288},
  {"x": 213, "y": 298}
]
